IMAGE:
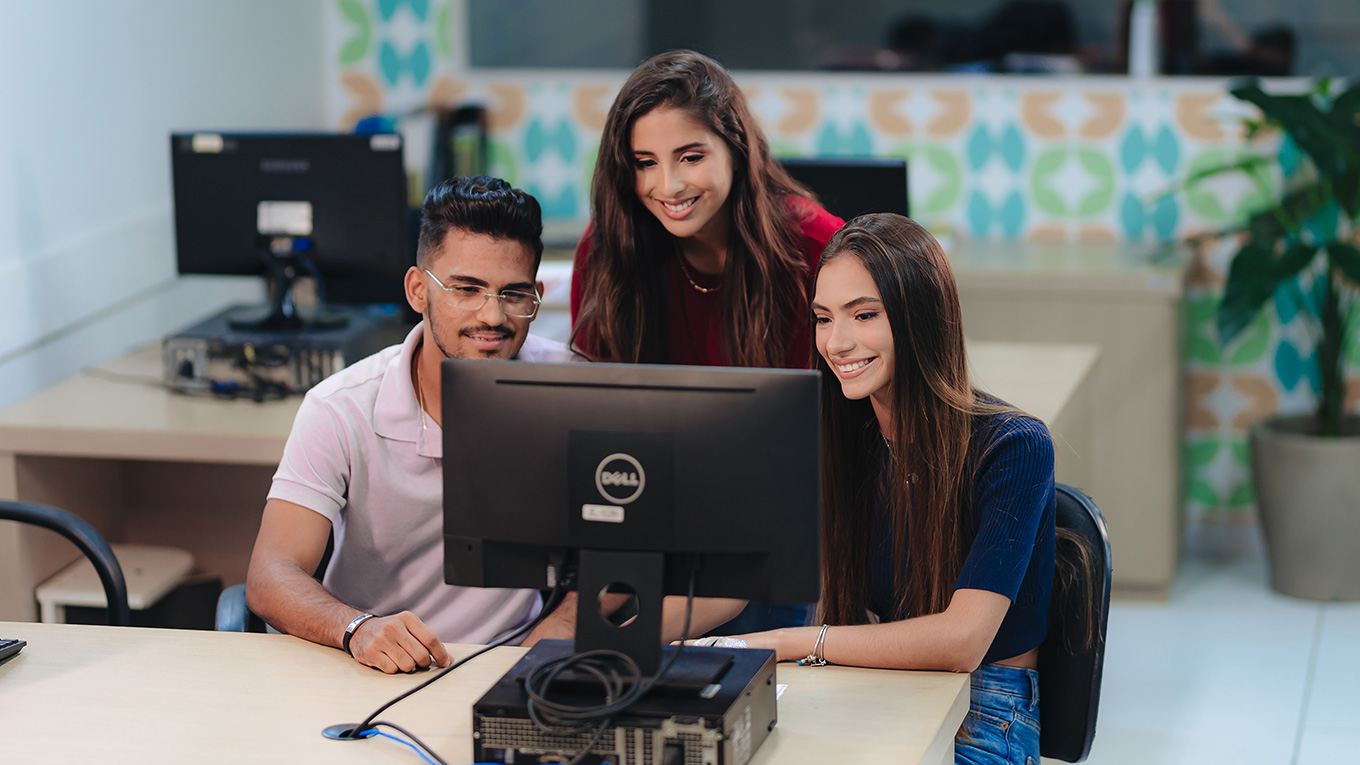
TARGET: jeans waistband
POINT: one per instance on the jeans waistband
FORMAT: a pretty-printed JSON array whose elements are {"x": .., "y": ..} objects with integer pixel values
[{"x": 1000, "y": 678}]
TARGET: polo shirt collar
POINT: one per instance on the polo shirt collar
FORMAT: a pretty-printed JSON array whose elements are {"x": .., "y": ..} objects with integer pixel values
[{"x": 396, "y": 412}]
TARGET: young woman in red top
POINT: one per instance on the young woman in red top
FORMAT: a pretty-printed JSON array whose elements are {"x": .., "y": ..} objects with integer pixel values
[{"x": 701, "y": 244}]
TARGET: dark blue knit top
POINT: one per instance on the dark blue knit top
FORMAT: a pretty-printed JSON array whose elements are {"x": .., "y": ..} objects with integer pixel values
[{"x": 1012, "y": 552}]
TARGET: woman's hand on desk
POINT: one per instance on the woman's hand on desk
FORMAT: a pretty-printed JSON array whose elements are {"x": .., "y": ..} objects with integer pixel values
[
  {"x": 790, "y": 644},
  {"x": 399, "y": 643},
  {"x": 784, "y": 642}
]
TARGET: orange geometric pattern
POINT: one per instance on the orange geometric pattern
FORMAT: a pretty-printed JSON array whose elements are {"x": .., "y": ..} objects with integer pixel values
[
  {"x": 509, "y": 104},
  {"x": 590, "y": 104},
  {"x": 1108, "y": 117},
  {"x": 1262, "y": 399},
  {"x": 1036, "y": 113},
  {"x": 445, "y": 93},
  {"x": 1199, "y": 387},
  {"x": 956, "y": 110},
  {"x": 1193, "y": 118},
  {"x": 367, "y": 97},
  {"x": 804, "y": 110},
  {"x": 886, "y": 113}
]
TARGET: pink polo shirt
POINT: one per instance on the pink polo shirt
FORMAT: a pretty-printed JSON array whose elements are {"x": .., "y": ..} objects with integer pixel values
[{"x": 357, "y": 455}]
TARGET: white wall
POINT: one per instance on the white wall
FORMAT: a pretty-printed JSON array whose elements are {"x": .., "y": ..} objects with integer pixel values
[{"x": 89, "y": 91}]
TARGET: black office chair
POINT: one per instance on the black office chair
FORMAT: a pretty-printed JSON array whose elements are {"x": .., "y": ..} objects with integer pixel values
[
  {"x": 83, "y": 535},
  {"x": 1069, "y": 664},
  {"x": 233, "y": 615}
]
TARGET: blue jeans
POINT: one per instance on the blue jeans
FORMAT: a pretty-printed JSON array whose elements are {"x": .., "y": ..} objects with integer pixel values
[{"x": 1003, "y": 718}]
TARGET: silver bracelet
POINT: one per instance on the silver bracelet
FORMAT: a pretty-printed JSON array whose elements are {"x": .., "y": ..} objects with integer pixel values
[{"x": 818, "y": 656}]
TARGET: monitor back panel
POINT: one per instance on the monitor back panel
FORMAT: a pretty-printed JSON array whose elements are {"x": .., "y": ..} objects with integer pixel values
[
  {"x": 355, "y": 186},
  {"x": 849, "y": 187}
]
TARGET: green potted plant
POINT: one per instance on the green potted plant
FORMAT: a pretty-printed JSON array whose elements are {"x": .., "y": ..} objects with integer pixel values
[{"x": 1302, "y": 247}]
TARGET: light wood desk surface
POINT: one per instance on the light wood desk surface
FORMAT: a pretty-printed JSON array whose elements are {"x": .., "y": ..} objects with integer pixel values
[{"x": 127, "y": 695}]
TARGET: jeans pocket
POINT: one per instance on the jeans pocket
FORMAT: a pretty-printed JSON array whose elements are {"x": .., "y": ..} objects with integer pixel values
[{"x": 984, "y": 739}]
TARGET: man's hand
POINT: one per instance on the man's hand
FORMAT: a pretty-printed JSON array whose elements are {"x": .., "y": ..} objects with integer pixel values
[{"x": 400, "y": 643}]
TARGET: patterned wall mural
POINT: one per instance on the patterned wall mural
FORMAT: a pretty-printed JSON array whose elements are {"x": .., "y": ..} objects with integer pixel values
[{"x": 1079, "y": 159}]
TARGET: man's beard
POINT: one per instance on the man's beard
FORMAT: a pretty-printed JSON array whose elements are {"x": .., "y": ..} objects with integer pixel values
[{"x": 434, "y": 332}]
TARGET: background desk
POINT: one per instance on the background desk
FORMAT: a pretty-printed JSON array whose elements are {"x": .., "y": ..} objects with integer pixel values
[
  {"x": 147, "y": 466},
  {"x": 114, "y": 695},
  {"x": 1118, "y": 298}
]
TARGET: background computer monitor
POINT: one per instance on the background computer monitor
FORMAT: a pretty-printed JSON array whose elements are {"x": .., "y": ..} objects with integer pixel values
[
  {"x": 610, "y": 465},
  {"x": 343, "y": 197},
  {"x": 850, "y": 187}
]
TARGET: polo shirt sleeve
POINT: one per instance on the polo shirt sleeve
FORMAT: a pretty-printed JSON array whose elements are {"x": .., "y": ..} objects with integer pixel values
[
  {"x": 315, "y": 469},
  {"x": 1012, "y": 487}
]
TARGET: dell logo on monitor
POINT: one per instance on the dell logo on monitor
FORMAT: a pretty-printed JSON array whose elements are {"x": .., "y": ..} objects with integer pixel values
[{"x": 620, "y": 478}]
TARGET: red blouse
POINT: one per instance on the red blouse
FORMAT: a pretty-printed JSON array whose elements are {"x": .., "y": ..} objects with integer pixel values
[{"x": 693, "y": 318}]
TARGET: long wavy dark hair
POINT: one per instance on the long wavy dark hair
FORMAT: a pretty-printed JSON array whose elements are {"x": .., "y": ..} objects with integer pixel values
[
  {"x": 929, "y": 486},
  {"x": 765, "y": 276}
]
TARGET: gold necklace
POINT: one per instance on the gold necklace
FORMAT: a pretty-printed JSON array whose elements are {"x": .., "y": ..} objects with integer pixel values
[
  {"x": 420, "y": 400},
  {"x": 684, "y": 269}
]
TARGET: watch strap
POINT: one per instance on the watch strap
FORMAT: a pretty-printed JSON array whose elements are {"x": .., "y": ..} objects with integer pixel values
[{"x": 349, "y": 631}]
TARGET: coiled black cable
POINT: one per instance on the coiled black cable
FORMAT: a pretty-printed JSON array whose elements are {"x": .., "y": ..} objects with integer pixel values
[{"x": 619, "y": 678}]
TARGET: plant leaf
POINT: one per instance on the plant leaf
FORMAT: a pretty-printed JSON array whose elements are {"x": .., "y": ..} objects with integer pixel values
[
  {"x": 1252, "y": 278},
  {"x": 1294, "y": 260},
  {"x": 1346, "y": 258},
  {"x": 1345, "y": 117},
  {"x": 1321, "y": 135}
]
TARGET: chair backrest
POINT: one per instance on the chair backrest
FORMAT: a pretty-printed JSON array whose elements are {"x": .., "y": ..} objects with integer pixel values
[
  {"x": 1069, "y": 670},
  {"x": 83, "y": 535}
]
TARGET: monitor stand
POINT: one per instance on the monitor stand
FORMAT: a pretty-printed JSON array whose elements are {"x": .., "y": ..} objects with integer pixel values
[
  {"x": 281, "y": 315},
  {"x": 639, "y": 637}
]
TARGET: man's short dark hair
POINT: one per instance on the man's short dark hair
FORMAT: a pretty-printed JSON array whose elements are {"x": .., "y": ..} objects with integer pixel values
[{"x": 480, "y": 205}]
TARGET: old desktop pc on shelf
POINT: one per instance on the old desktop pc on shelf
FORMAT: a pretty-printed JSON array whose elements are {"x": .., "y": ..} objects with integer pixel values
[
  {"x": 653, "y": 477},
  {"x": 329, "y": 209}
]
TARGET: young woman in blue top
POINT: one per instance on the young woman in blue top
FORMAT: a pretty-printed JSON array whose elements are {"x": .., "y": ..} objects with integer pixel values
[{"x": 938, "y": 500}]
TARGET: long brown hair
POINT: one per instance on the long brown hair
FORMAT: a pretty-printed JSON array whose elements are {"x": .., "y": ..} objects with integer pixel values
[
  {"x": 929, "y": 484},
  {"x": 764, "y": 299}
]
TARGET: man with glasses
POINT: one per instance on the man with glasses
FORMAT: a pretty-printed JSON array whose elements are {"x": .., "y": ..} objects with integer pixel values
[{"x": 364, "y": 456}]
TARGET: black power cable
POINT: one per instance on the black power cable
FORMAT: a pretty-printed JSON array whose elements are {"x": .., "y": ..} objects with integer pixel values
[
  {"x": 371, "y": 722},
  {"x": 619, "y": 678}
]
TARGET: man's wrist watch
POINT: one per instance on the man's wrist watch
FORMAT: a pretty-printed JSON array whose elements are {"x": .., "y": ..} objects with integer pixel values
[{"x": 349, "y": 631}]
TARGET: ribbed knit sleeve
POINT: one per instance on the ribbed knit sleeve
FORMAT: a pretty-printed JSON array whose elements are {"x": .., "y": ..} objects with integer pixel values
[{"x": 1012, "y": 496}]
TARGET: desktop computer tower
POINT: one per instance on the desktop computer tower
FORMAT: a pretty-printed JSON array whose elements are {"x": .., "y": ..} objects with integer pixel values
[
  {"x": 213, "y": 357},
  {"x": 722, "y": 722}
]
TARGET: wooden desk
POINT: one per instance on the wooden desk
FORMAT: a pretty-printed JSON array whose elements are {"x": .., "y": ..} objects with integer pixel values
[
  {"x": 146, "y": 466},
  {"x": 127, "y": 695}
]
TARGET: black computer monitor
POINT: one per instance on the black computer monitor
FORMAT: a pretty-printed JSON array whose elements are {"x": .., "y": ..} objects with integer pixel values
[
  {"x": 850, "y": 187},
  {"x": 636, "y": 474},
  {"x": 287, "y": 204}
]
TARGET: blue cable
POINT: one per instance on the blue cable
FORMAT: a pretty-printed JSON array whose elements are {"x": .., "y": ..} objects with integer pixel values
[{"x": 370, "y": 733}]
